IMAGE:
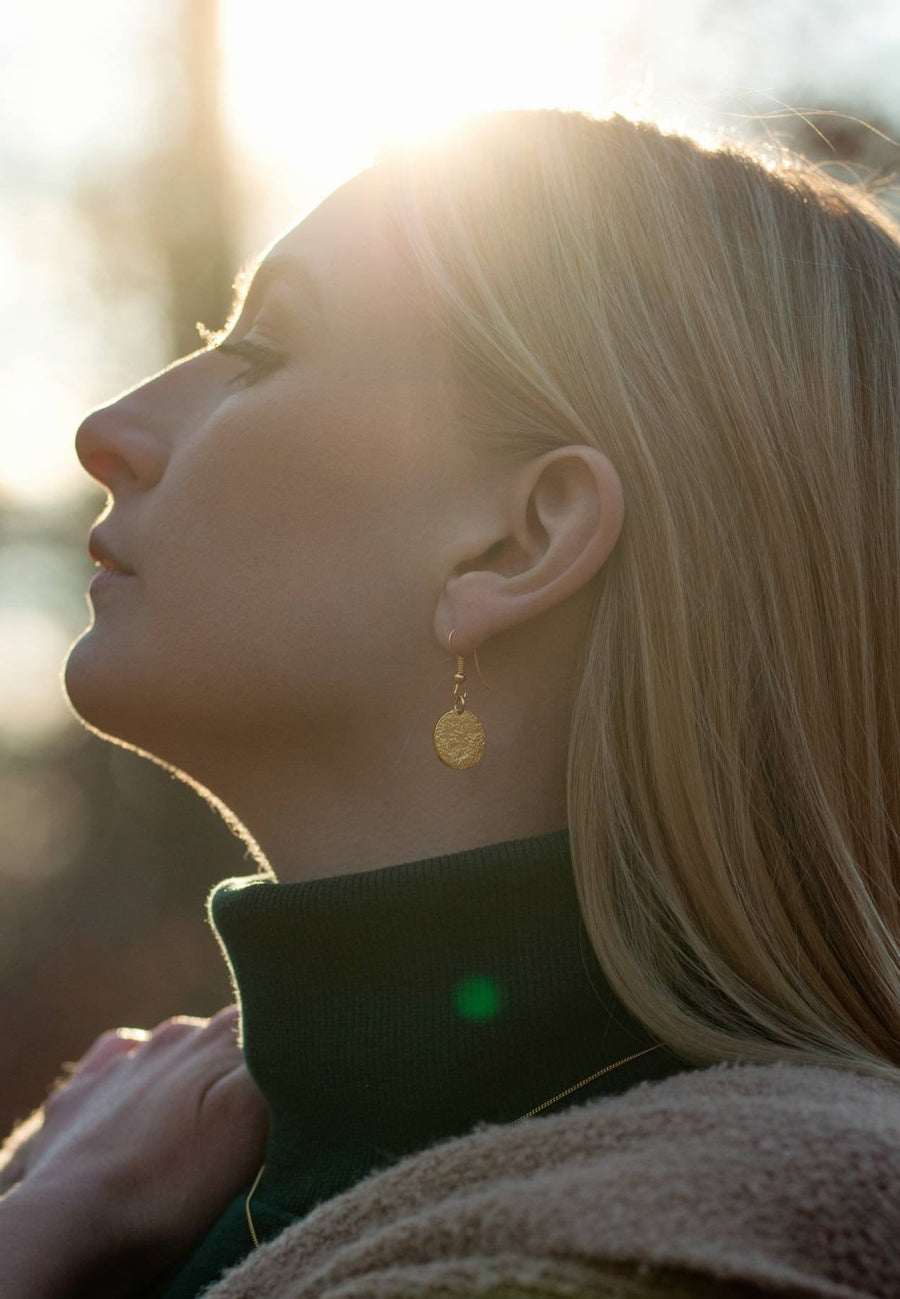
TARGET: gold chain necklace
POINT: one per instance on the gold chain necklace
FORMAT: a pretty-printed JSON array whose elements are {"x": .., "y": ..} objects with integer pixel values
[{"x": 536, "y": 1110}]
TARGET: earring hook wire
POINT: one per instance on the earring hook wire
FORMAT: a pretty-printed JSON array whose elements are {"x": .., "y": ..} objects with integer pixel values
[{"x": 475, "y": 654}]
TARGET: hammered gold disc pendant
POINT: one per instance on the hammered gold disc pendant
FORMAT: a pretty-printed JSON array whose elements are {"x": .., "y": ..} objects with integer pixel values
[{"x": 459, "y": 739}]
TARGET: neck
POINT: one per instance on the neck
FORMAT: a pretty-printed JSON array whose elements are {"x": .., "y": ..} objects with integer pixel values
[{"x": 305, "y": 820}]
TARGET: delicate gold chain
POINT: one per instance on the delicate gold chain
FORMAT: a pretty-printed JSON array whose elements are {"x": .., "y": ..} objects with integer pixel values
[
  {"x": 575, "y": 1086},
  {"x": 247, "y": 1208},
  {"x": 536, "y": 1110}
]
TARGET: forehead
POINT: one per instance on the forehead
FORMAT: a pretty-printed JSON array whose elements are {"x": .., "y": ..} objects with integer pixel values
[{"x": 349, "y": 242}]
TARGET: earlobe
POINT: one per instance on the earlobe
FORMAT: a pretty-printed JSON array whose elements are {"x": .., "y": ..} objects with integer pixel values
[{"x": 563, "y": 513}]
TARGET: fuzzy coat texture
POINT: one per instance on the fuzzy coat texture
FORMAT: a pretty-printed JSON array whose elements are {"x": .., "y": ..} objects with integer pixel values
[{"x": 735, "y": 1180}]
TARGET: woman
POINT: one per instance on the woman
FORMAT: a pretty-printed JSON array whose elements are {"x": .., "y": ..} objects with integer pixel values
[{"x": 637, "y": 882}]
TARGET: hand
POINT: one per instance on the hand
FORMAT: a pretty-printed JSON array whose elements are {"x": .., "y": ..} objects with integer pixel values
[{"x": 148, "y": 1142}]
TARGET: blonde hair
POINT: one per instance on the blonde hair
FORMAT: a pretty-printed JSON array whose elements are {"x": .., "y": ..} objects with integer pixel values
[{"x": 726, "y": 330}]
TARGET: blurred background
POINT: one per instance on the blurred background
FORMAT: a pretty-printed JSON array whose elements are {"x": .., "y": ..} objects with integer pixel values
[{"x": 147, "y": 151}]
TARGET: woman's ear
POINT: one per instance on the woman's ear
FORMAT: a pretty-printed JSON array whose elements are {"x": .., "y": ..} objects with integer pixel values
[{"x": 561, "y": 514}]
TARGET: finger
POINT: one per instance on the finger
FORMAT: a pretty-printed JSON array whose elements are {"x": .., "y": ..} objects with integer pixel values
[
  {"x": 219, "y": 1048},
  {"x": 235, "y": 1103},
  {"x": 226, "y": 1021},
  {"x": 227, "y": 1015},
  {"x": 115, "y": 1042},
  {"x": 172, "y": 1031},
  {"x": 188, "y": 1021},
  {"x": 188, "y": 1047},
  {"x": 214, "y": 1053}
]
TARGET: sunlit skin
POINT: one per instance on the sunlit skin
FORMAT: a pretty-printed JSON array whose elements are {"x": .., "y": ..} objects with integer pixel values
[{"x": 303, "y": 546}]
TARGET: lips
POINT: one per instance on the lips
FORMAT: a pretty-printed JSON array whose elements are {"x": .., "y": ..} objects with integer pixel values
[{"x": 102, "y": 552}]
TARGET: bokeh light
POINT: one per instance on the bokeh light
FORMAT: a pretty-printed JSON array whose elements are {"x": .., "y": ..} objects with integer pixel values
[
  {"x": 45, "y": 823},
  {"x": 477, "y": 996},
  {"x": 32, "y": 648}
]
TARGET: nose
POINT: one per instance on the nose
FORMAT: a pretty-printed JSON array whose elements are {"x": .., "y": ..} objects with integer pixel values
[{"x": 115, "y": 450}]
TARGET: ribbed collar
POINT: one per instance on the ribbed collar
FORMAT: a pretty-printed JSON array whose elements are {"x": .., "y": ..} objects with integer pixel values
[{"x": 386, "y": 1009}]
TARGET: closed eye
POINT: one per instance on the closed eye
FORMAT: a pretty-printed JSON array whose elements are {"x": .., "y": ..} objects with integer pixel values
[{"x": 263, "y": 360}]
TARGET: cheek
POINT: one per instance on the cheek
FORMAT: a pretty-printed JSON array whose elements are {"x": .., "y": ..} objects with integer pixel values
[{"x": 298, "y": 525}]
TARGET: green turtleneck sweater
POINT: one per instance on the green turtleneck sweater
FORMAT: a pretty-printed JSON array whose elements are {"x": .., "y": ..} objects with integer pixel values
[{"x": 390, "y": 1009}]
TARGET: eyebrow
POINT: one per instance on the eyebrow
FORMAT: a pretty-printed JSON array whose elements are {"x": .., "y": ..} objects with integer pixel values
[{"x": 252, "y": 280}]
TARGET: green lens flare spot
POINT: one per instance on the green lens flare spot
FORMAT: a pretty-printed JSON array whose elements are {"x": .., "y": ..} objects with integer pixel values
[{"x": 477, "y": 997}]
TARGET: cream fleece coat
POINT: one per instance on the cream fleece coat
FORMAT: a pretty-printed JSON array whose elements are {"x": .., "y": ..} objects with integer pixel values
[{"x": 735, "y": 1180}]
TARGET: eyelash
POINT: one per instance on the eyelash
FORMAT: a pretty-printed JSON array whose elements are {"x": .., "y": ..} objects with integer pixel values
[{"x": 263, "y": 360}]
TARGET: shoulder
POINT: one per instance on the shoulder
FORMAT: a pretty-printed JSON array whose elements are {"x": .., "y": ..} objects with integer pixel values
[{"x": 774, "y": 1175}]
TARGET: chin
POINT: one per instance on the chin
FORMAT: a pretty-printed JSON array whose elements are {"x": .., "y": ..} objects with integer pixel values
[
  {"x": 130, "y": 711},
  {"x": 101, "y": 695}
]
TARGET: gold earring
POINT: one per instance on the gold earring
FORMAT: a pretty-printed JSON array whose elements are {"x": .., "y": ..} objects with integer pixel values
[{"x": 458, "y": 735}]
